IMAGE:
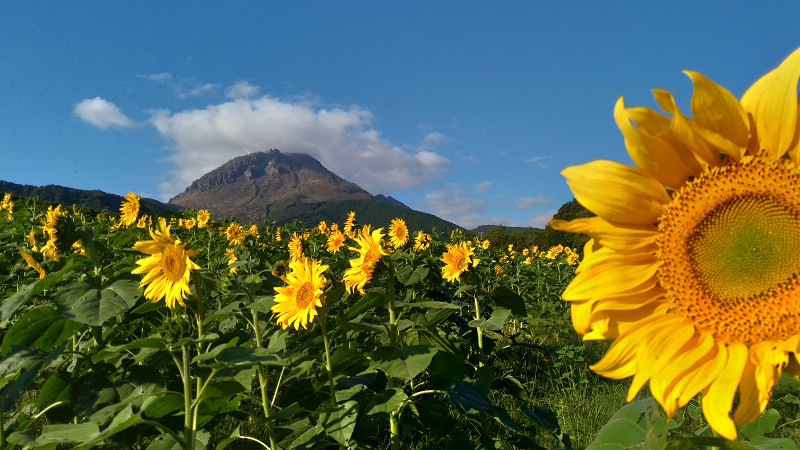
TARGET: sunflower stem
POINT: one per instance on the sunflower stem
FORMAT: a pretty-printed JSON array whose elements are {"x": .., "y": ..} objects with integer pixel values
[
  {"x": 479, "y": 330},
  {"x": 328, "y": 365},
  {"x": 394, "y": 423},
  {"x": 188, "y": 429},
  {"x": 262, "y": 381}
]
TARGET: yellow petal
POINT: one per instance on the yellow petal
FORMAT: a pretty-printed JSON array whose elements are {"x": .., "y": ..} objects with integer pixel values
[
  {"x": 693, "y": 353},
  {"x": 716, "y": 109},
  {"x": 607, "y": 234},
  {"x": 718, "y": 397},
  {"x": 652, "y": 154},
  {"x": 616, "y": 192},
  {"x": 685, "y": 131},
  {"x": 602, "y": 327},
  {"x": 749, "y": 404},
  {"x": 665, "y": 339},
  {"x": 772, "y": 100},
  {"x": 614, "y": 275}
]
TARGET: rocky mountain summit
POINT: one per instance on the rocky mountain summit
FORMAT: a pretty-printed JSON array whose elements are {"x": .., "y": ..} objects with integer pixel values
[{"x": 268, "y": 185}]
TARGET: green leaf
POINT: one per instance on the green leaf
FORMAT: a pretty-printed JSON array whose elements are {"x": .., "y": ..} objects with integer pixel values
[
  {"x": 91, "y": 393},
  {"x": 385, "y": 401},
  {"x": 640, "y": 424},
  {"x": 43, "y": 328},
  {"x": 766, "y": 443},
  {"x": 369, "y": 301},
  {"x": 544, "y": 417},
  {"x": 445, "y": 368},
  {"x": 91, "y": 305},
  {"x": 764, "y": 424},
  {"x": 348, "y": 361},
  {"x": 506, "y": 298},
  {"x": 339, "y": 422},
  {"x": 403, "y": 362},
  {"x": 418, "y": 275},
  {"x": 249, "y": 356},
  {"x": 79, "y": 432},
  {"x": 11, "y": 304},
  {"x": 495, "y": 322},
  {"x": 164, "y": 405},
  {"x": 470, "y": 398}
]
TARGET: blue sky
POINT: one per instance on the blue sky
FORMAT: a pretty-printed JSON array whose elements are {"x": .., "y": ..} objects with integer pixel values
[{"x": 467, "y": 110}]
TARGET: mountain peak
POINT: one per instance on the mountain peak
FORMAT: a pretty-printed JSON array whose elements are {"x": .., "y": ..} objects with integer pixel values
[{"x": 249, "y": 187}]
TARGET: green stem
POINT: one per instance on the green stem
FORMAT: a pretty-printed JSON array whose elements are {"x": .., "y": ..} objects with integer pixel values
[
  {"x": 188, "y": 429},
  {"x": 479, "y": 330},
  {"x": 394, "y": 423},
  {"x": 262, "y": 381},
  {"x": 328, "y": 365}
]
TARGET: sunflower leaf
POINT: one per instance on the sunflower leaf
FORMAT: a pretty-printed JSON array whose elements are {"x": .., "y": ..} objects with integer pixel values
[
  {"x": 403, "y": 362},
  {"x": 639, "y": 424},
  {"x": 91, "y": 305}
]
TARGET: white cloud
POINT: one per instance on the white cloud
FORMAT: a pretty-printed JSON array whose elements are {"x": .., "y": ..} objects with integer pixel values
[
  {"x": 102, "y": 114},
  {"x": 449, "y": 202},
  {"x": 163, "y": 77},
  {"x": 341, "y": 139},
  {"x": 530, "y": 202},
  {"x": 540, "y": 219},
  {"x": 190, "y": 87},
  {"x": 483, "y": 187},
  {"x": 242, "y": 89},
  {"x": 538, "y": 161}
]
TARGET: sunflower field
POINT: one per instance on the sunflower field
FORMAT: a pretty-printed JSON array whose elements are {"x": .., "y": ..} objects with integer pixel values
[{"x": 136, "y": 331}]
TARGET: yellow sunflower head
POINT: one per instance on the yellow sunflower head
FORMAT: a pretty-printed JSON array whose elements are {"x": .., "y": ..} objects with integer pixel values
[
  {"x": 349, "y": 223},
  {"x": 370, "y": 251},
  {"x": 167, "y": 269},
  {"x": 335, "y": 241},
  {"x": 32, "y": 263},
  {"x": 694, "y": 260},
  {"x": 202, "y": 218},
  {"x": 295, "y": 246},
  {"x": 296, "y": 304},
  {"x": 398, "y": 233},
  {"x": 422, "y": 241},
  {"x": 129, "y": 211},
  {"x": 457, "y": 260},
  {"x": 234, "y": 233}
]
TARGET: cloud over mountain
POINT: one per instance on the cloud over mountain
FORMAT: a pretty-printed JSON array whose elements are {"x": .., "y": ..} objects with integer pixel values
[{"x": 343, "y": 140}]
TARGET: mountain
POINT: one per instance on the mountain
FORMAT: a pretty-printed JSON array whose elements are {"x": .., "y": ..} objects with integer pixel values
[
  {"x": 285, "y": 187},
  {"x": 70, "y": 196}
]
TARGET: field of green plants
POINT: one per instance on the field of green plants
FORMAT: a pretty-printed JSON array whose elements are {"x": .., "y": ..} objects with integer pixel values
[{"x": 397, "y": 340}]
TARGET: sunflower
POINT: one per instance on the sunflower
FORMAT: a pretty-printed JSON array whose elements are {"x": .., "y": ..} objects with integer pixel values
[
  {"x": 129, "y": 211},
  {"x": 457, "y": 259},
  {"x": 202, "y": 218},
  {"x": 422, "y": 241},
  {"x": 370, "y": 252},
  {"x": 694, "y": 260},
  {"x": 349, "y": 223},
  {"x": 398, "y": 233},
  {"x": 235, "y": 233},
  {"x": 295, "y": 246},
  {"x": 297, "y": 303},
  {"x": 32, "y": 263},
  {"x": 335, "y": 241},
  {"x": 167, "y": 268}
]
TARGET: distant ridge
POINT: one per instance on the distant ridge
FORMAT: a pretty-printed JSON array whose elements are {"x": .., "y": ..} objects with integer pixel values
[{"x": 87, "y": 198}]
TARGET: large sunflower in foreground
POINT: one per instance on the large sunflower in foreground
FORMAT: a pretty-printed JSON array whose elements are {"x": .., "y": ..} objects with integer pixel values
[
  {"x": 167, "y": 268},
  {"x": 296, "y": 304},
  {"x": 370, "y": 250},
  {"x": 694, "y": 262}
]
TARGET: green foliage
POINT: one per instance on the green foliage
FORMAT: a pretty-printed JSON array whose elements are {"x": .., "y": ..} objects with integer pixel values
[{"x": 487, "y": 361}]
